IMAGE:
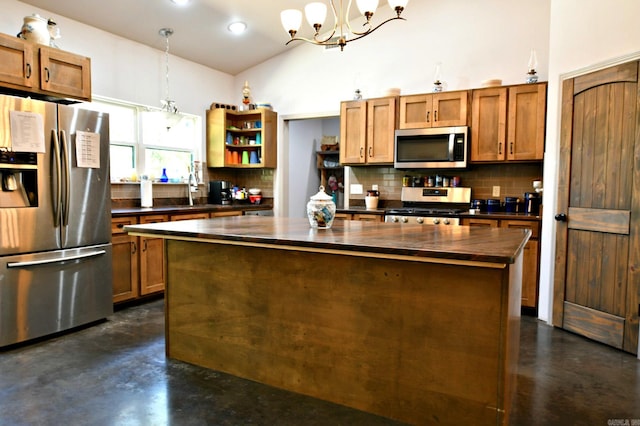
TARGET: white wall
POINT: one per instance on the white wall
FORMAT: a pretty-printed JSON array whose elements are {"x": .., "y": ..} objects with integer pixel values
[{"x": 584, "y": 35}]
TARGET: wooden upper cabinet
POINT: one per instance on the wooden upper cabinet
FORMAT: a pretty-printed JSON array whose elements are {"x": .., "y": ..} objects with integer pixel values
[
  {"x": 488, "y": 124},
  {"x": 65, "y": 73},
  {"x": 508, "y": 123},
  {"x": 38, "y": 69},
  {"x": 526, "y": 122},
  {"x": 434, "y": 110},
  {"x": 353, "y": 132},
  {"x": 16, "y": 62},
  {"x": 367, "y": 130}
]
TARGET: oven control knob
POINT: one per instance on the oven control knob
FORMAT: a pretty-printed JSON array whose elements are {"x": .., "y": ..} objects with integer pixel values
[
  {"x": 445, "y": 221},
  {"x": 394, "y": 218},
  {"x": 436, "y": 221},
  {"x": 405, "y": 219},
  {"x": 420, "y": 220}
]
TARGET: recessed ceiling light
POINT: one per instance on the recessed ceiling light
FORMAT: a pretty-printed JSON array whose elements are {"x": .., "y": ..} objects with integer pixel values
[
  {"x": 180, "y": 2},
  {"x": 237, "y": 27}
]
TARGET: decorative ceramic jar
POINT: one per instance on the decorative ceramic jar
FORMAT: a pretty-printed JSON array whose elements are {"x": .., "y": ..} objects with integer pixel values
[
  {"x": 321, "y": 210},
  {"x": 35, "y": 30}
]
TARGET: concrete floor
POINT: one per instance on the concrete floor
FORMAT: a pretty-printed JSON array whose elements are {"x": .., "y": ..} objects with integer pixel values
[{"x": 116, "y": 373}]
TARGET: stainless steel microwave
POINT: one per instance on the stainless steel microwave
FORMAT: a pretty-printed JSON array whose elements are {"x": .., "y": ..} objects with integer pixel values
[{"x": 431, "y": 148}]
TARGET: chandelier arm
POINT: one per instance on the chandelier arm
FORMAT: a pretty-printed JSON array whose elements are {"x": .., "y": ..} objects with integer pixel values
[
  {"x": 372, "y": 29},
  {"x": 325, "y": 42}
]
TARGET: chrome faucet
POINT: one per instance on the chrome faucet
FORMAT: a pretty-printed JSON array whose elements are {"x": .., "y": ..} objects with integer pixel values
[{"x": 191, "y": 183}]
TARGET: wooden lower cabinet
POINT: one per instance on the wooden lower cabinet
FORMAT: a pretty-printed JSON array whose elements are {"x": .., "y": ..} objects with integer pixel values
[
  {"x": 125, "y": 260},
  {"x": 530, "y": 258},
  {"x": 139, "y": 263},
  {"x": 152, "y": 260}
]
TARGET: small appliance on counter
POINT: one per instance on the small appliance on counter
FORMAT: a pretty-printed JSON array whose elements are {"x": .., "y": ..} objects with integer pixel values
[{"x": 220, "y": 192}]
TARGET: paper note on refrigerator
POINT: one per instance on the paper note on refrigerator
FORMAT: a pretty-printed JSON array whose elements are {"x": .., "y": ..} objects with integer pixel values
[
  {"x": 88, "y": 149},
  {"x": 27, "y": 131}
]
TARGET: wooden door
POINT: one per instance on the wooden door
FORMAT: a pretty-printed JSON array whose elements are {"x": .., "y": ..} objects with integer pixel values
[
  {"x": 381, "y": 127},
  {"x": 488, "y": 124},
  {"x": 124, "y": 260},
  {"x": 353, "y": 132},
  {"x": 526, "y": 123},
  {"x": 597, "y": 278}
]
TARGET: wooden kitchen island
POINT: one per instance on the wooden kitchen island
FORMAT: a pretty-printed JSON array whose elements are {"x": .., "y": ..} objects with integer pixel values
[{"x": 415, "y": 323}]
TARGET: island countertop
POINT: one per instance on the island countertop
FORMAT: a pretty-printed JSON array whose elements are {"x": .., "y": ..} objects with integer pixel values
[{"x": 458, "y": 243}]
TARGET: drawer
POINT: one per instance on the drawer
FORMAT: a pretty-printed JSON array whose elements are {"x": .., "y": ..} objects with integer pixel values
[
  {"x": 533, "y": 225},
  {"x": 154, "y": 218},
  {"x": 117, "y": 223}
]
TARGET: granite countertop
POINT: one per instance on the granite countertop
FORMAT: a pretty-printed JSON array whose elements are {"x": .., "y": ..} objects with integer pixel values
[
  {"x": 139, "y": 211},
  {"x": 480, "y": 244}
]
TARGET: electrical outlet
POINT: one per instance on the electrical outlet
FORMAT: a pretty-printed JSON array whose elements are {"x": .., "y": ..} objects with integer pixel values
[
  {"x": 496, "y": 191},
  {"x": 356, "y": 188}
]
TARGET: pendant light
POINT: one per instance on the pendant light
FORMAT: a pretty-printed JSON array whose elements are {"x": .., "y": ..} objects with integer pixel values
[{"x": 169, "y": 109}]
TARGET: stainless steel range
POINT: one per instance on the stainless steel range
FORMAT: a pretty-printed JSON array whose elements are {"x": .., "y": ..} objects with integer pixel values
[{"x": 430, "y": 206}]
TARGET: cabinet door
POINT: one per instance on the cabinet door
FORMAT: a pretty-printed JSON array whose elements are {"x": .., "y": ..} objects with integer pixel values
[
  {"x": 353, "y": 132},
  {"x": 530, "y": 260},
  {"x": 189, "y": 216},
  {"x": 488, "y": 124},
  {"x": 526, "y": 123},
  {"x": 16, "y": 62},
  {"x": 124, "y": 260},
  {"x": 415, "y": 111},
  {"x": 450, "y": 109},
  {"x": 152, "y": 260},
  {"x": 64, "y": 73},
  {"x": 381, "y": 127}
]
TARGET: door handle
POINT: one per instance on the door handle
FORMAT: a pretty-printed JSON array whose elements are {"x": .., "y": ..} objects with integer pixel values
[{"x": 561, "y": 217}]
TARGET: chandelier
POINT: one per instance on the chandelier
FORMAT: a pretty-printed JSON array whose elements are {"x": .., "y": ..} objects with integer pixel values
[
  {"x": 169, "y": 108},
  {"x": 316, "y": 13}
]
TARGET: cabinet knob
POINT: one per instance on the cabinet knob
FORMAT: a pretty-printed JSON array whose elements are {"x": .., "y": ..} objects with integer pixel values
[
  {"x": 435, "y": 116},
  {"x": 561, "y": 217},
  {"x": 428, "y": 112},
  {"x": 499, "y": 148},
  {"x": 28, "y": 71}
]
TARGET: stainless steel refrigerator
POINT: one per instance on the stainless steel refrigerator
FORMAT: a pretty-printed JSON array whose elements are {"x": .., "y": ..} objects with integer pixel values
[{"x": 55, "y": 218}]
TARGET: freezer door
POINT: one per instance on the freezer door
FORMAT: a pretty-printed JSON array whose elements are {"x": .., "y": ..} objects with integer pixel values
[
  {"x": 28, "y": 227},
  {"x": 86, "y": 211},
  {"x": 45, "y": 293}
]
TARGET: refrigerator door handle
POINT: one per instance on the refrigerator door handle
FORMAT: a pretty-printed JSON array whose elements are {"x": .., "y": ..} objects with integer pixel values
[
  {"x": 67, "y": 177},
  {"x": 55, "y": 259},
  {"x": 57, "y": 181}
]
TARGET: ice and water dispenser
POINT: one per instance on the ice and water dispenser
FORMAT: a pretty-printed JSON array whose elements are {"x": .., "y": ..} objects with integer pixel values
[{"x": 19, "y": 179}]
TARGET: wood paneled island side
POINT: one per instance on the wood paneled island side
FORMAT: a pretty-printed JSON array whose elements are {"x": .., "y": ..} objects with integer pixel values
[{"x": 411, "y": 322}]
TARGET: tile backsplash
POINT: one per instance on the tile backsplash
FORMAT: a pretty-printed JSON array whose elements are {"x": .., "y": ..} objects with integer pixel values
[{"x": 513, "y": 179}]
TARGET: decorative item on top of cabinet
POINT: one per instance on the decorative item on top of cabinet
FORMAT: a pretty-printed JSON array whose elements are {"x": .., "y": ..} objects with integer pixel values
[
  {"x": 43, "y": 70},
  {"x": 367, "y": 130},
  {"x": 242, "y": 139},
  {"x": 442, "y": 109},
  {"x": 531, "y": 254},
  {"x": 508, "y": 123}
]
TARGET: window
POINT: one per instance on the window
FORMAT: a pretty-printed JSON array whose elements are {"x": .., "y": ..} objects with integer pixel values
[{"x": 143, "y": 144}]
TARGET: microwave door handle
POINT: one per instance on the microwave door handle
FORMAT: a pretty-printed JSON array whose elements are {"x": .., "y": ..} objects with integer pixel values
[{"x": 452, "y": 142}]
